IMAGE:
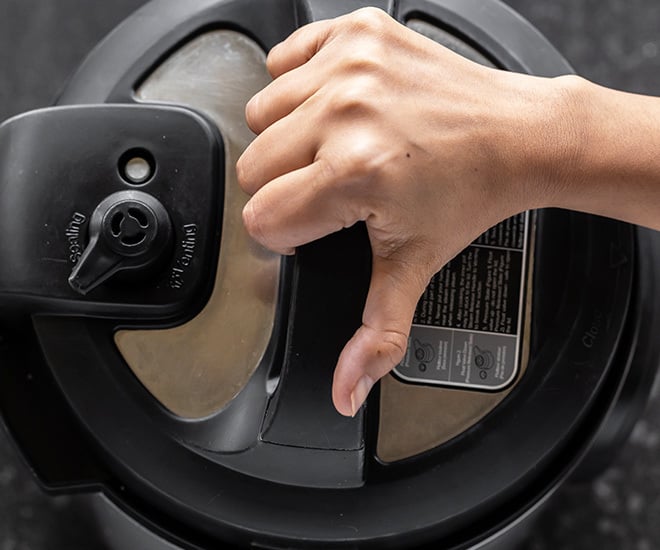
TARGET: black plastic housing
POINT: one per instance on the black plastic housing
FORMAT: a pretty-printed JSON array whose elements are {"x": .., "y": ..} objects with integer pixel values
[{"x": 58, "y": 165}]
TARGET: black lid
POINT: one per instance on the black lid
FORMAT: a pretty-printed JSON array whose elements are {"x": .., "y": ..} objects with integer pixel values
[{"x": 226, "y": 477}]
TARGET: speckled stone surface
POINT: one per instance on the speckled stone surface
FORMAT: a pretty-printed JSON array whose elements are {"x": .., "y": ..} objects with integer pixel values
[{"x": 614, "y": 42}]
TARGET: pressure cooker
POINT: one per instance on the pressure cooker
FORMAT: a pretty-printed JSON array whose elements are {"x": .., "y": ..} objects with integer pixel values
[{"x": 155, "y": 357}]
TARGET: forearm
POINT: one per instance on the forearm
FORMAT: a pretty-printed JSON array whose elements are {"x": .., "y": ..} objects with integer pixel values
[{"x": 614, "y": 164}]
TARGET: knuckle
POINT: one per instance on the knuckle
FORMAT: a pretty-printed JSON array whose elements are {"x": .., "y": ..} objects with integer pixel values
[
  {"x": 369, "y": 19},
  {"x": 351, "y": 174},
  {"x": 341, "y": 182},
  {"x": 388, "y": 347},
  {"x": 350, "y": 103},
  {"x": 395, "y": 343},
  {"x": 253, "y": 221},
  {"x": 364, "y": 158},
  {"x": 367, "y": 60},
  {"x": 360, "y": 168},
  {"x": 355, "y": 100},
  {"x": 243, "y": 175},
  {"x": 265, "y": 227}
]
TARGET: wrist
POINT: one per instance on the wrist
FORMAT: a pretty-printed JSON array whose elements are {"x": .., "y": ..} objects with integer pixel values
[
  {"x": 556, "y": 141},
  {"x": 610, "y": 166}
]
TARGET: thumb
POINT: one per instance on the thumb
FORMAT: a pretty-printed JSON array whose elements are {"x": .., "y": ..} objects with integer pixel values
[{"x": 381, "y": 342}]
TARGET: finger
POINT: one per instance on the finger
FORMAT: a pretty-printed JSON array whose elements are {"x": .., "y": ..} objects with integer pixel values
[
  {"x": 298, "y": 208},
  {"x": 286, "y": 146},
  {"x": 381, "y": 342},
  {"x": 281, "y": 97},
  {"x": 299, "y": 47}
]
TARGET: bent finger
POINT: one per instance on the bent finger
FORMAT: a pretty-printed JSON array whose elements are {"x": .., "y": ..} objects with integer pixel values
[
  {"x": 286, "y": 146},
  {"x": 287, "y": 92},
  {"x": 381, "y": 342},
  {"x": 299, "y": 47},
  {"x": 297, "y": 208}
]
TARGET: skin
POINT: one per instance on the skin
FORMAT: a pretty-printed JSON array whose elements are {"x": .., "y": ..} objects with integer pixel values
[{"x": 366, "y": 120}]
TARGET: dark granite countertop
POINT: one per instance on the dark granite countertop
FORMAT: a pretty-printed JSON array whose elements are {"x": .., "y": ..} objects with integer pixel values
[{"x": 614, "y": 42}]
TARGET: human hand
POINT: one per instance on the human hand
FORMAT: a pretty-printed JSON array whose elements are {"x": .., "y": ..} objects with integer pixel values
[{"x": 367, "y": 120}]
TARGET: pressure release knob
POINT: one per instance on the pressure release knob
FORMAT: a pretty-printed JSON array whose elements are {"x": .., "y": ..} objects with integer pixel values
[{"x": 129, "y": 231}]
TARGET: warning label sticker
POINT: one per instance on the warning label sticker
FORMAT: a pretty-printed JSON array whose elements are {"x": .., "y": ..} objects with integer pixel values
[{"x": 467, "y": 327}]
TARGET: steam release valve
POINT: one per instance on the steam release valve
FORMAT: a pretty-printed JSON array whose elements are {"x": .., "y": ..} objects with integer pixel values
[
  {"x": 88, "y": 193},
  {"x": 129, "y": 231}
]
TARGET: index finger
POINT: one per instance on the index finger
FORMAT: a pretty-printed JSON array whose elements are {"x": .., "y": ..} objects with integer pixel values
[{"x": 299, "y": 47}]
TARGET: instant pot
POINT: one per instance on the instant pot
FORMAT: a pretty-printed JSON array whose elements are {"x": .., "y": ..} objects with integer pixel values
[{"x": 155, "y": 358}]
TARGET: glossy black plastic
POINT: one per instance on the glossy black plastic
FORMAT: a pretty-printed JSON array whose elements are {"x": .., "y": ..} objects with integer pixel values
[
  {"x": 59, "y": 166},
  {"x": 129, "y": 232}
]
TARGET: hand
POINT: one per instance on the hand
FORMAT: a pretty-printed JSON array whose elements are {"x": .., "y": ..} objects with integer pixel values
[{"x": 369, "y": 121}]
